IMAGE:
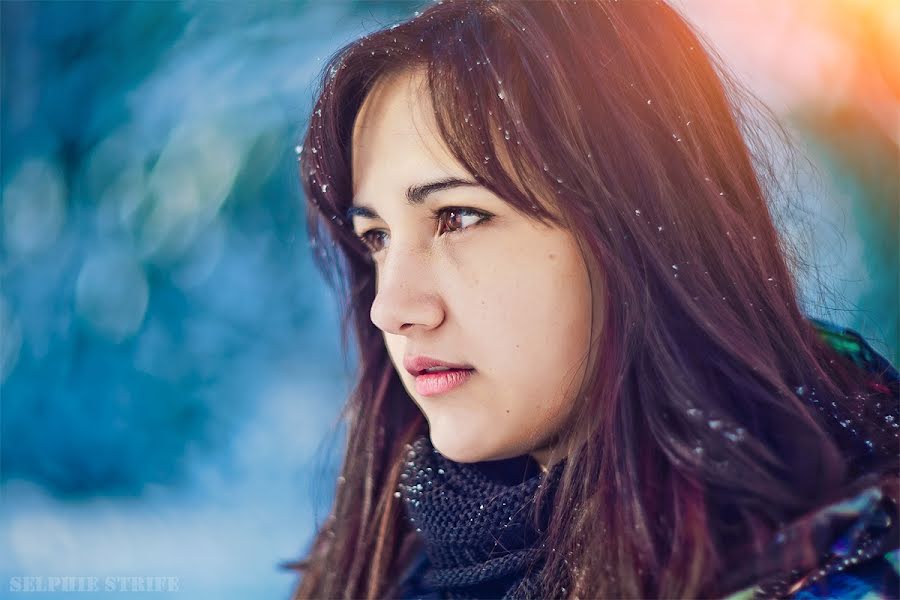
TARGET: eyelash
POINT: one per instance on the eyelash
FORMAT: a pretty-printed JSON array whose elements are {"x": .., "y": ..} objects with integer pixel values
[{"x": 436, "y": 216}]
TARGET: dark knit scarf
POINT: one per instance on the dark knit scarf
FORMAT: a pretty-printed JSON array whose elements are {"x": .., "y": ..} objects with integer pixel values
[{"x": 476, "y": 522}]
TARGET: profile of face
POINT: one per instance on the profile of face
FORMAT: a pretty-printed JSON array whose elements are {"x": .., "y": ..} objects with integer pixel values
[{"x": 464, "y": 278}]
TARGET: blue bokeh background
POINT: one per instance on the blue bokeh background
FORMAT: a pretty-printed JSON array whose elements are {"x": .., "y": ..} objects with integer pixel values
[{"x": 170, "y": 368}]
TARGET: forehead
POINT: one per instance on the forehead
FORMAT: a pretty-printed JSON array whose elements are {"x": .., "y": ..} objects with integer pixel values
[
  {"x": 395, "y": 145},
  {"x": 395, "y": 140}
]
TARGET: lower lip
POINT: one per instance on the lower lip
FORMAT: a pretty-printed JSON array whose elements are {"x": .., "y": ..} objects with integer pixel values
[{"x": 432, "y": 384}]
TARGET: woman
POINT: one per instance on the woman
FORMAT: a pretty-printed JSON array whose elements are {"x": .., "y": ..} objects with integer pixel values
[{"x": 583, "y": 370}]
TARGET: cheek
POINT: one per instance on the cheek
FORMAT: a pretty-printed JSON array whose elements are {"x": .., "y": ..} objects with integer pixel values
[{"x": 534, "y": 318}]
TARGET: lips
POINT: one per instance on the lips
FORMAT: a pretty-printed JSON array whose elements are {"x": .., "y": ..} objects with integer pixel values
[
  {"x": 417, "y": 365},
  {"x": 440, "y": 382}
]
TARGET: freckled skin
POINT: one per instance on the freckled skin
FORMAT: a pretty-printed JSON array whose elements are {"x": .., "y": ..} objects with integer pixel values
[{"x": 510, "y": 297}]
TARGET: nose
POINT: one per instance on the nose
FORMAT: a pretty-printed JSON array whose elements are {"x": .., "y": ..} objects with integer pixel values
[{"x": 405, "y": 297}]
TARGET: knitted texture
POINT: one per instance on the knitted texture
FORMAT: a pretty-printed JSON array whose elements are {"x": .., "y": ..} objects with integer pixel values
[{"x": 477, "y": 522}]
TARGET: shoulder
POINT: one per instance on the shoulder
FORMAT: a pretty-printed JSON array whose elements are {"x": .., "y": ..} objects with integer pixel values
[
  {"x": 850, "y": 344},
  {"x": 855, "y": 543},
  {"x": 876, "y": 578}
]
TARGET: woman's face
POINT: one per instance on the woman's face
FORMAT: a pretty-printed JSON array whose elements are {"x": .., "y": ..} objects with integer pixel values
[{"x": 507, "y": 296}]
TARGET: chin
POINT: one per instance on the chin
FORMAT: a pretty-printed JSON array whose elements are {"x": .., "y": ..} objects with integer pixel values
[{"x": 459, "y": 448}]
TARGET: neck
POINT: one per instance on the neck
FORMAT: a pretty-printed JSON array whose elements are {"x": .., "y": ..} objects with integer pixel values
[{"x": 546, "y": 457}]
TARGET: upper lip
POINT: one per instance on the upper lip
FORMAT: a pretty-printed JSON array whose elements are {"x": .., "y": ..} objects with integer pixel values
[{"x": 417, "y": 364}]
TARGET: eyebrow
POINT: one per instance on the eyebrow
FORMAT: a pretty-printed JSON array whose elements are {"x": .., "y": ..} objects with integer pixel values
[{"x": 415, "y": 195}]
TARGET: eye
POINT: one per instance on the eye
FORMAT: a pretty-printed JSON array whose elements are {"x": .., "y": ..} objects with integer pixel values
[{"x": 452, "y": 219}]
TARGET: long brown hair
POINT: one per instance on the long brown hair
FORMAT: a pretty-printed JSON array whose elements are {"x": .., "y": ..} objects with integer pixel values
[{"x": 697, "y": 442}]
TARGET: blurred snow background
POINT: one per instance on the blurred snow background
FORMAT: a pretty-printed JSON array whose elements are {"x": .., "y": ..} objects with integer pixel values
[{"x": 170, "y": 367}]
